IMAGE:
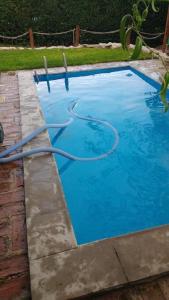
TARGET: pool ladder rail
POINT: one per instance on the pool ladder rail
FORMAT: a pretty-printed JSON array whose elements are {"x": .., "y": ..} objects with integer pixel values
[
  {"x": 45, "y": 62},
  {"x": 45, "y": 65},
  {"x": 65, "y": 62}
]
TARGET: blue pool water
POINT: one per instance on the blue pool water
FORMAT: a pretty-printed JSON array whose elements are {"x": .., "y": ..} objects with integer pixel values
[{"x": 129, "y": 190}]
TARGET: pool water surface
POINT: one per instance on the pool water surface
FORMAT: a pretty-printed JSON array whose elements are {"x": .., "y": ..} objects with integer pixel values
[{"x": 128, "y": 191}]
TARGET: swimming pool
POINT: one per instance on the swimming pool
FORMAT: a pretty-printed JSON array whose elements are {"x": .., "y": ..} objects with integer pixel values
[{"x": 127, "y": 191}]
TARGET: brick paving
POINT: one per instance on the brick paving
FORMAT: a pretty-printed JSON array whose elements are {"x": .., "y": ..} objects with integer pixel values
[{"x": 14, "y": 271}]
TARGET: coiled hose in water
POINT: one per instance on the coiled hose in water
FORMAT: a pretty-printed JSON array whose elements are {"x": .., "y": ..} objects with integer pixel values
[{"x": 4, "y": 159}]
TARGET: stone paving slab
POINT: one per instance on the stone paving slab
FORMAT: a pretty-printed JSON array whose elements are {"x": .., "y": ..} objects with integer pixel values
[
  {"x": 77, "y": 272},
  {"x": 144, "y": 254},
  {"x": 150, "y": 67},
  {"x": 48, "y": 225}
]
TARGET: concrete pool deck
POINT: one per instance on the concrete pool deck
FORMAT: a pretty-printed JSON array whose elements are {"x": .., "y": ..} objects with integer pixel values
[{"x": 59, "y": 269}]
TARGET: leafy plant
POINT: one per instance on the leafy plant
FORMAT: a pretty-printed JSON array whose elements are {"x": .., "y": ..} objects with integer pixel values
[{"x": 133, "y": 23}]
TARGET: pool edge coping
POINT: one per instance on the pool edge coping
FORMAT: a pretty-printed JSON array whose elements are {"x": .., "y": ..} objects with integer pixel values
[{"x": 57, "y": 255}]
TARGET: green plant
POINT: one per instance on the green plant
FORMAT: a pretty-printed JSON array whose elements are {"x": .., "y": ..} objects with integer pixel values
[{"x": 133, "y": 23}]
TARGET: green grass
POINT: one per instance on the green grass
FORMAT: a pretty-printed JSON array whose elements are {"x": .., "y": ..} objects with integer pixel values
[{"x": 11, "y": 60}]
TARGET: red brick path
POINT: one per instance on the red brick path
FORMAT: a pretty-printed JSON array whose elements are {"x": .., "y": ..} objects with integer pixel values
[{"x": 14, "y": 273}]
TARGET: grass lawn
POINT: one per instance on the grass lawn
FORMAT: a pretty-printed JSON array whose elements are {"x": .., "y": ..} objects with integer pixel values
[{"x": 11, "y": 60}]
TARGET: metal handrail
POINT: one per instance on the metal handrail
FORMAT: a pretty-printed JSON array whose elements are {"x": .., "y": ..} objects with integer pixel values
[
  {"x": 65, "y": 62},
  {"x": 45, "y": 65}
]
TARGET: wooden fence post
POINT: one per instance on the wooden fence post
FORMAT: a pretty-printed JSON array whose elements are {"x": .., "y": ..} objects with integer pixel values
[
  {"x": 31, "y": 38},
  {"x": 77, "y": 35},
  {"x": 166, "y": 34}
]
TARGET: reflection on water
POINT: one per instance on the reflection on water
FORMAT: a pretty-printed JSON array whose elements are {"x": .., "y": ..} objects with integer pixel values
[
  {"x": 127, "y": 191},
  {"x": 66, "y": 81},
  {"x": 66, "y": 78},
  {"x": 48, "y": 84},
  {"x": 55, "y": 137},
  {"x": 66, "y": 166},
  {"x": 153, "y": 102}
]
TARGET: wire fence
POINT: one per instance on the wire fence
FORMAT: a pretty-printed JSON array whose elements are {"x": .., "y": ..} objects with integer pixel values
[{"x": 77, "y": 32}]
